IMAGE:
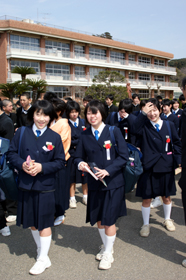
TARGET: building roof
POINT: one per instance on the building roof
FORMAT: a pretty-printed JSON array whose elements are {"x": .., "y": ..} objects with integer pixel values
[{"x": 78, "y": 37}]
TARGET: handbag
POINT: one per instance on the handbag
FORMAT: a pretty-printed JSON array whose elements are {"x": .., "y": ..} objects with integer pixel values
[
  {"x": 133, "y": 168},
  {"x": 8, "y": 177}
]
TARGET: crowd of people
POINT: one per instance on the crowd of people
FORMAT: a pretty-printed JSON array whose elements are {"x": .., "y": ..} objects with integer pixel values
[{"x": 54, "y": 146}]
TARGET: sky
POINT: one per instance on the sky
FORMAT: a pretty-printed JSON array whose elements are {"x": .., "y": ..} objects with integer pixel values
[{"x": 153, "y": 24}]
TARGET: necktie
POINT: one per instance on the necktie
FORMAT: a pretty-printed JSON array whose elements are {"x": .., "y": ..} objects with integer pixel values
[
  {"x": 120, "y": 119},
  {"x": 38, "y": 133},
  {"x": 174, "y": 112},
  {"x": 96, "y": 134},
  {"x": 75, "y": 124},
  {"x": 157, "y": 127},
  {"x": 165, "y": 116}
]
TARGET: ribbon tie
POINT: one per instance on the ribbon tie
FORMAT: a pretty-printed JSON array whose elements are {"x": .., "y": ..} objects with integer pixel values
[
  {"x": 75, "y": 124},
  {"x": 38, "y": 132},
  {"x": 96, "y": 132},
  {"x": 157, "y": 127}
]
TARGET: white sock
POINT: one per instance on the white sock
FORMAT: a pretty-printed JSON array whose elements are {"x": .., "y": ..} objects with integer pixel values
[
  {"x": 102, "y": 234},
  {"x": 72, "y": 198},
  {"x": 109, "y": 242},
  {"x": 36, "y": 236},
  {"x": 145, "y": 215},
  {"x": 45, "y": 246},
  {"x": 157, "y": 198},
  {"x": 167, "y": 210},
  {"x": 85, "y": 195}
]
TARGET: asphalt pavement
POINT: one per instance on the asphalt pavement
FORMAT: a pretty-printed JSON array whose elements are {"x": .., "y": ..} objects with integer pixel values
[{"x": 75, "y": 244}]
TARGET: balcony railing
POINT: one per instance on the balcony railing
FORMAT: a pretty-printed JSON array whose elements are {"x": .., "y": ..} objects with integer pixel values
[
  {"x": 54, "y": 52},
  {"x": 71, "y": 78}
]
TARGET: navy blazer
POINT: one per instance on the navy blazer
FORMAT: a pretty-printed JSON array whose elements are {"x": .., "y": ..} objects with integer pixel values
[
  {"x": 153, "y": 145},
  {"x": 173, "y": 118},
  {"x": 91, "y": 150},
  {"x": 51, "y": 161},
  {"x": 112, "y": 119},
  {"x": 75, "y": 135}
]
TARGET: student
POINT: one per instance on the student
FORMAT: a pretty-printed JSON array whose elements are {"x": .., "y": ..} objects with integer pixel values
[
  {"x": 123, "y": 119},
  {"x": 77, "y": 126},
  {"x": 167, "y": 114},
  {"x": 158, "y": 176},
  {"x": 175, "y": 108},
  {"x": 105, "y": 204},
  {"x": 182, "y": 97},
  {"x": 7, "y": 108},
  {"x": 110, "y": 107},
  {"x": 62, "y": 127},
  {"x": 22, "y": 112},
  {"x": 36, "y": 203},
  {"x": 135, "y": 102},
  {"x": 87, "y": 99}
]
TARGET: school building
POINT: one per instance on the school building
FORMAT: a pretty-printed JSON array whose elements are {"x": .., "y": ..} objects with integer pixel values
[{"x": 69, "y": 60}]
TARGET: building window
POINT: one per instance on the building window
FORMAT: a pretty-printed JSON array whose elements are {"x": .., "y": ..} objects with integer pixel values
[
  {"x": 144, "y": 60},
  {"x": 79, "y": 51},
  {"x": 24, "y": 43},
  {"x": 54, "y": 46},
  {"x": 159, "y": 78},
  {"x": 144, "y": 77},
  {"x": 117, "y": 56},
  {"x": 159, "y": 62},
  {"x": 60, "y": 91},
  {"x": 58, "y": 70},
  {"x": 120, "y": 71},
  {"x": 79, "y": 92},
  {"x": 162, "y": 93},
  {"x": 79, "y": 72},
  {"x": 95, "y": 53},
  {"x": 131, "y": 75},
  {"x": 23, "y": 63},
  {"x": 144, "y": 93},
  {"x": 94, "y": 71},
  {"x": 131, "y": 57}
]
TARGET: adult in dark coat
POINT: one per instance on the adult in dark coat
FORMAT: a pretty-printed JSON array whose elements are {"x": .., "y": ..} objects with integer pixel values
[
  {"x": 7, "y": 108},
  {"x": 22, "y": 112},
  {"x": 7, "y": 132}
]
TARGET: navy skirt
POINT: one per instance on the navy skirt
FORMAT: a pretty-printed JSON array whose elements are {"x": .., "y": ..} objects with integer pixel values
[
  {"x": 35, "y": 209},
  {"x": 76, "y": 176},
  {"x": 151, "y": 185},
  {"x": 105, "y": 206},
  {"x": 62, "y": 190}
]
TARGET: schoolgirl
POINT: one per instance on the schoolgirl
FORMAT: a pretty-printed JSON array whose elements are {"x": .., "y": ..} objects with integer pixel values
[
  {"x": 158, "y": 163},
  {"x": 77, "y": 126},
  {"x": 123, "y": 119},
  {"x": 105, "y": 203},
  {"x": 62, "y": 184},
  {"x": 36, "y": 203}
]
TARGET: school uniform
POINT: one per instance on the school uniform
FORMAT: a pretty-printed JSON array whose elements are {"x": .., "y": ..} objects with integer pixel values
[
  {"x": 76, "y": 176},
  {"x": 178, "y": 113},
  {"x": 171, "y": 117},
  {"x": 124, "y": 125},
  {"x": 36, "y": 203},
  {"x": 158, "y": 176},
  {"x": 105, "y": 204}
]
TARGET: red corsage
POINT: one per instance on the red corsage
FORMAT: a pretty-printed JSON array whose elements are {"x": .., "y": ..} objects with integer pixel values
[
  {"x": 84, "y": 128},
  {"x": 107, "y": 146},
  {"x": 49, "y": 145},
  {"x": 168, "y": 140}
]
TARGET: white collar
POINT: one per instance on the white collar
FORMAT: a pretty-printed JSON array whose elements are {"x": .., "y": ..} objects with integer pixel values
[
  {"x": 34, "y": 128},
  {"x": 175, "y": 110},
  {"x": 76, "y": 121},
  {"x": 26, "y": 111},
  {"x": 160, "y": 122},
  {"x": 100, "y": 129},
  {"x": 168, "y": 114}
]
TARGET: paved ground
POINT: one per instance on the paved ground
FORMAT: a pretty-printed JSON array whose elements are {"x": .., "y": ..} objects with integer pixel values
[{"x": 75, "y": 244}]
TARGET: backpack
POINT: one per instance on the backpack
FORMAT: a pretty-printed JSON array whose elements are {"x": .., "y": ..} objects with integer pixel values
[
  {"x": 7, "y": 180},
  {"x": 8, "y": 177},
  {"x": 133, "y": 168}
]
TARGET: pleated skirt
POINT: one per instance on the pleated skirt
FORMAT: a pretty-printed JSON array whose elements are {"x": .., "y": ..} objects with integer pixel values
[
  {"x": 105, "y": 206},
  {"x": 151, "y": 185},
  {"x": 35, "y": 209}
]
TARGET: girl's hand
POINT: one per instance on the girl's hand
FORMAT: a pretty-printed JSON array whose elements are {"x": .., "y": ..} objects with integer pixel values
[
  {"x": 36, "y": 168},
  {"x": 102, "y": 173},
  {"x": 82, "y": 165},
  {"x": 148, "y": 106}
]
